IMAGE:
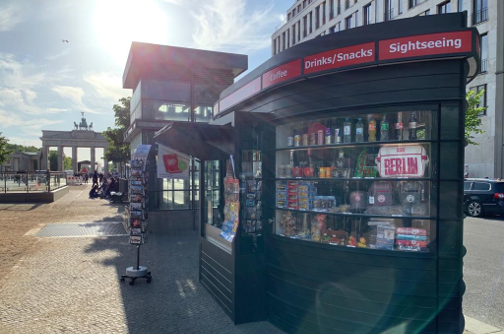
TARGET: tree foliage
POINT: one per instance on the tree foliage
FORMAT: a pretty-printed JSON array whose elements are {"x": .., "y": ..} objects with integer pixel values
[
  {"x": 21, "y": 148},
  {"x": 118, "y": 151},
  {"x": 67, "y": 163},
  {"x": 472, "y": 116},
  {"x": 53, "y": 160},
  {"x": 4, "y": 149}
]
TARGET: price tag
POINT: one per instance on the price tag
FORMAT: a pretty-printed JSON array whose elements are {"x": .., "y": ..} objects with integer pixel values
[{"x": 371, "y": 199}]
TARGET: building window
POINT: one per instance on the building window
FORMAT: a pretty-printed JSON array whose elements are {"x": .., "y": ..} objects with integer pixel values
[
  {"x": 483, "y": 98},
  {"x": 305, "y": 23},
  {"x": 317, "y": 17},
  {"x": 444, "y": 8},
  {"x": 356, "y": 19},
  {"x": 293, "y": 12},
  {"x": 304, "y": 4},
  {"x": 338, "y": 7},
  {"x": 323, "y": 5},
  {"x": 294, "y": 34},
  {"x": 426, "y": 13},
  {"x": 331, "y": 30},
  {"x": 274, "y": 46},
  {"x": 389, "y": 10},
  {"x": 347, "y": 4},
  {"x": 367, "y": 15},
  {"x": 310, "y": 16},
  {"x": 348, "y": 22},
  {"x": 299, "y": 30},
  {"x": 288, "y": 17},
  {"x": 480, "y": 11},
  {"x": 283, "y": 41},
  {"x": 399, "y": 6},
  {"x": 484, "y": 53},
  {"x": 331, "y": 9},
  {"x": 460, "y": 5},
  {"x": 414, "y": 3},
  {"x": 299, "y": 8},
  {"x": 288, "y": 38},
  {"x": 337, "y": 27}
]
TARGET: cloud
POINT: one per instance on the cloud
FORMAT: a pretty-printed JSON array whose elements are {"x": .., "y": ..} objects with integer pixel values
[
  {"x": 28, "y": 126},
  {"x": 226, "y": 25},
  {"x": 106, "y": 85},
  {"x": 10, "y": 16},
  {"x": 57, "y": 55},
  {"x": 74, "y": 94}
]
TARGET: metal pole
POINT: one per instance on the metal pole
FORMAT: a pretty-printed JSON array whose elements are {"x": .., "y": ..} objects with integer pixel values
[{"x": 138, "y": 257}]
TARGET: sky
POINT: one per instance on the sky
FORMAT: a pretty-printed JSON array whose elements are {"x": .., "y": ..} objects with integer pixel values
[{"x": 45, "y": 82}]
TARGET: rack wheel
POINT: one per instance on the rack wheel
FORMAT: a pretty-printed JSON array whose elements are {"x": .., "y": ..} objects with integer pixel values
[
  {"x": 132, "y": 282},
  {"x": 149, "y": 279},
  {"x": 122, "y": 280}
]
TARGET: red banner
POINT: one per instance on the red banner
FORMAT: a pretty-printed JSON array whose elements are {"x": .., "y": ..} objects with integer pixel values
[
  {"x": 426, "y": 45},
  {"x": 281, "y": 73},
  {"x": 348, "y": 56}
]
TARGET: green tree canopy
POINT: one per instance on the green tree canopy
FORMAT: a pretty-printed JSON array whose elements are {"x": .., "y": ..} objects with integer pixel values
[
  {"x": 472, "y": 116},
  {"x": 21, "y": 148},
  {"x": 4, "y": 150},
  {"x": 118, "y": 151}
]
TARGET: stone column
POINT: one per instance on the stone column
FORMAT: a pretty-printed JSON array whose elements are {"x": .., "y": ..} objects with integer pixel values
[
  {"x": 75, "y": 166},
  {"x": 93, "y": 159},
  {"x": 105, "y": 166},
  {"x": 60, "y": 158},
  {"x": 43, "y": 162}
]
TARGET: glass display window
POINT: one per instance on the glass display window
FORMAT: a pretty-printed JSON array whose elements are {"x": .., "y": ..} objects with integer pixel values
[{"x": 346, "y": 180}]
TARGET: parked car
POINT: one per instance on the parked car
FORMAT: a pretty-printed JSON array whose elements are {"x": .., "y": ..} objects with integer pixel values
[{"x": 483, "y": 197}]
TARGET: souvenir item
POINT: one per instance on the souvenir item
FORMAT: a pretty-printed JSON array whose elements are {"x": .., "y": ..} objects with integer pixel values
[
  {"x": 380, "y": 193},
  {"x": 410, "y": 192},
  {"x": 402, "y": 161},
  {"x": 358, "y": 201}
]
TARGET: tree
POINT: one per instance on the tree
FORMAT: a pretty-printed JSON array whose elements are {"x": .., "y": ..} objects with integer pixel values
[
  {"x": 4, "y": 150},
  {"x": 53, "y": 160},
  {"x": 472, "y": 116},
  {"x": 21, "y": 148},
  {"x": 119, "y": 151},
  {"x": 67, "y": 163}
]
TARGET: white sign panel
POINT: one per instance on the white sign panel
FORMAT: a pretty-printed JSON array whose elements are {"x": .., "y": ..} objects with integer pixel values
[
  {"x": 172, "y": 164},
  {"x": 402, "y": 161}
]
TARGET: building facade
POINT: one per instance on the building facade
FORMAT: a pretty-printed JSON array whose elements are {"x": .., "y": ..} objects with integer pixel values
[
  {"x": 308, "y": 19},
  {"x": 21, "y": 161}
]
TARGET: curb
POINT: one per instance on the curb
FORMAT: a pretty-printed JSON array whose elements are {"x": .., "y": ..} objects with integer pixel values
[{"x": 473, "y": 326}]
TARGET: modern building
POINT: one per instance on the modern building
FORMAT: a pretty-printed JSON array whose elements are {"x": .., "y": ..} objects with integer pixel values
[
  {"x": 308, "y": 19},
  {"x": 174, "y": 84}
]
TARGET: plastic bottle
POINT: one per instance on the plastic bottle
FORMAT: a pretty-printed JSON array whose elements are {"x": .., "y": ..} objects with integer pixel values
[
  {"x": 347, "y": 131},
  {"x": 372, "y": 129},
  {"x": 398, "y": 127},
  {"x": 290, "y": 139},
  {"x": 384, "y": 128},
  {"x": 297, "y": 139},
  {"x": 359, "y": 131},
  {"x": 413, "y": 125},
  {"x": 320, "y": 135}
]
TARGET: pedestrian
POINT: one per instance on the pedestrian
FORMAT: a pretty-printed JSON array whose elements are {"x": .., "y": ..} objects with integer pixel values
[
  {"x": 95, "y": 178},
  {"x": 101, "y": 178}
]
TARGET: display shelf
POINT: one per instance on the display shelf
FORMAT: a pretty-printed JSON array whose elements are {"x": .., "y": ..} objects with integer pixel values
[
  {"x": 357, "y": 215},
  {"x": 353, "y": 179},
  {"x": 339, "y": 248},
  {"x": 353, "y": 145}
]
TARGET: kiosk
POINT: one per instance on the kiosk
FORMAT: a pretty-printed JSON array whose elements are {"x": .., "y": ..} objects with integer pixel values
[{"x": 348, "y": 152}]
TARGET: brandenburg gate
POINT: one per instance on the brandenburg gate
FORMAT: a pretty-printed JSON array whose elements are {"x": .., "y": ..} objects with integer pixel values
[{"x": 81, "y": 136}]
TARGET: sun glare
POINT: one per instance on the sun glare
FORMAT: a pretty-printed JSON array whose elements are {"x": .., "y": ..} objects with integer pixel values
[{"x": 119, "y": 22}]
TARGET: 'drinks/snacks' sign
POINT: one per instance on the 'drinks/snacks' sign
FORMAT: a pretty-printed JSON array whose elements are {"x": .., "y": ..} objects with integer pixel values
[
  {"x": 172, "y": 164},
  {"x": 402, "y": 161}
]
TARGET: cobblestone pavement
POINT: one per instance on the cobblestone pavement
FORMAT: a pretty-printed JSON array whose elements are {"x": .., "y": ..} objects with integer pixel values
[{"x": 71, "y": 285}]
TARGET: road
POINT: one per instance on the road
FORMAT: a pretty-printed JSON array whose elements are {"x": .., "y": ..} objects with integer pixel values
[{"x": 484, "y": 270}]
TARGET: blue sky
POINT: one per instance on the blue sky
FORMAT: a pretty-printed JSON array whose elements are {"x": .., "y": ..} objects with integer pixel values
[{"x": 45, "y": 83}]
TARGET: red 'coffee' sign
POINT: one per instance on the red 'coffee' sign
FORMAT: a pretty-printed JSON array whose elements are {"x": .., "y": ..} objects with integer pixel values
[
  {"x": 281, "y": 73},
  {"x": 426, "y": 45},
  {"x": 348, "y": 56}
]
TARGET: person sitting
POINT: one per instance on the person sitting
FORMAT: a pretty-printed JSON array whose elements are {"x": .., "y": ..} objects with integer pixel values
[{"x": 93, "y": 193}]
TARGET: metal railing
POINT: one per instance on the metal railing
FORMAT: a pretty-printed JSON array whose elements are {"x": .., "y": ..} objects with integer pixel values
[{"x": 26, "y": 182}]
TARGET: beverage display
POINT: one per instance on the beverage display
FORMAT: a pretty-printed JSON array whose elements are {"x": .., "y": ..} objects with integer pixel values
[
  {"x": 381, "y": 127},
  {"x": 398, "y": 127},
  {"x": 413, "y": 125},
  {"x": 372, "y": 129},
  {"x": 359, "y": 131},
  {"x": 384, "y": 129},
  {"x": 347, "y": 131}
]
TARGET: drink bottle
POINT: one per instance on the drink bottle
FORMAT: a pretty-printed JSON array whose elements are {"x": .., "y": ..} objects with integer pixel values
[
  {"x": 328, "y": 134},
  {"x": 372, "y": 129},
  {"x": 347, "y": 131},
  {"x": 413, "y": 125},
  {"x": 384, "y": 128},
  {"x": 290, "y": 139},
  {"x": 359, "y": 131},
  {"x": 304, "y": 140},
  {"x": 398, "y": 127}
]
